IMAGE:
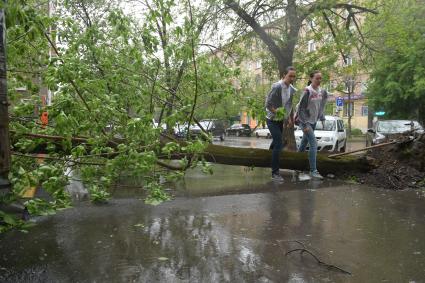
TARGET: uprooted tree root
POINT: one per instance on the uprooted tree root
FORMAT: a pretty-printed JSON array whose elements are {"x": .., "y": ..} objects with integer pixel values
[{"x": 398, "y": 166}]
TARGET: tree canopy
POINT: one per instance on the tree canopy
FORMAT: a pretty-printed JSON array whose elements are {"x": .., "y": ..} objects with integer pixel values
[{"x": 397, "y": 79}]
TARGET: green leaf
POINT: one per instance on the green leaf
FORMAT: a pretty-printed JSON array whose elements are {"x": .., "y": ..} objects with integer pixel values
[{"x": 280, "y": 114}]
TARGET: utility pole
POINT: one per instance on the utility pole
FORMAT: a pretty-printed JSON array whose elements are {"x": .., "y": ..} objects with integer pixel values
[{"x": 4, "y": 107}]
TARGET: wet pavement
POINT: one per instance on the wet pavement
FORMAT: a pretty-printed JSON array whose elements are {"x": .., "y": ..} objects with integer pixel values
[
  {"x": 233, "y": 226},
  {"x": 253, "y": 142}
]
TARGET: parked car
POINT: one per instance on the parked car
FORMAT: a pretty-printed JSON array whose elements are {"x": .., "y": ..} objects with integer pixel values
[
  {"x": 239, "y": 130},
  {"x": 331, "y": 136},
  {"x": 384, "y": 131},
  {"x": 180, "y": 131},
  {"x": 155, "y": 124},
  {"x": 213, "y": 126},
  {"x": 263, "y": 132}
]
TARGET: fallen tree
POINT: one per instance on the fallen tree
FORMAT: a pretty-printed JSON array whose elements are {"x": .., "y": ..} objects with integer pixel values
[
  {"x": 396, "y": 165},
  {"x": 254, "y": 157},
  {"x": 250, "y": 157}
]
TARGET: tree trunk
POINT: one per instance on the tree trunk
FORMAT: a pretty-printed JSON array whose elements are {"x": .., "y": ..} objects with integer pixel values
[
  {"x": 4, "y": 104},
  {"x": 283, "y": 55},
  {"x": 250, "y": 157},
  {"x": 289, "y": 138},
  {"x": 253, "y": 157}
]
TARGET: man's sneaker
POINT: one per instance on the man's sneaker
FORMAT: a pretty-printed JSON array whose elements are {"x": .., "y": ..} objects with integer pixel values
[
  {"x": 316, "y": 175},
  {"x": 277, "y": 178}
]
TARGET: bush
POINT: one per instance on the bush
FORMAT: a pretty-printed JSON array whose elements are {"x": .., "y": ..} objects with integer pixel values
[{"x": 356, "y": 132}]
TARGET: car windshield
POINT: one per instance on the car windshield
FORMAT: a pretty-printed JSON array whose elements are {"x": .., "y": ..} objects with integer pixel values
[
  {"x": 329, "y": 125},
  {"x": 396, "y": 126}
]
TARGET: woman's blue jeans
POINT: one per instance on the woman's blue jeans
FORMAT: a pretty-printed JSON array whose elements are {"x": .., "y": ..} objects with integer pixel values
[
  {"x": 309, "y": 138},
  {"x": 276, "y": 130}
]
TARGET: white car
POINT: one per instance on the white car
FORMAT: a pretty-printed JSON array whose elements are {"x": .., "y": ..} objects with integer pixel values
[
  {"x": 332, "y": 137},
  {"x": 263, "y": 132},
  {"x": 155, "y": 124}
]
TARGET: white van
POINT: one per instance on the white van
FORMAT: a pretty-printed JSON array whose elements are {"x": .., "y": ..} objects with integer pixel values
[{"x": 332, "y": 137}]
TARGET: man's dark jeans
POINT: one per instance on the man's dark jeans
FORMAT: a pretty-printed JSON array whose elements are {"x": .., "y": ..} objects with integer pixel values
[{"x": 276, "y": 130}]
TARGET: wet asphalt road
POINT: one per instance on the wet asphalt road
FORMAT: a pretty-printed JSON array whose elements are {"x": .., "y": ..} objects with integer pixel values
[{"x": 233, "y": 226}]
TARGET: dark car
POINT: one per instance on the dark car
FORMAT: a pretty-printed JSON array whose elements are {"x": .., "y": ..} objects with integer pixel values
[
  {"x": 214, "y": 127},
  {"x": 239, "y": 130},
  {"x": 385, "y": 131}
]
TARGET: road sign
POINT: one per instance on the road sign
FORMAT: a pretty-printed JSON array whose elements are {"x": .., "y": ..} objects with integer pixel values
[{"x": 339, "y": 101}]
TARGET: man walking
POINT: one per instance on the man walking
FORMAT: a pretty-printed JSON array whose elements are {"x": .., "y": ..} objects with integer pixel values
[{"x": 280, "y": 96}]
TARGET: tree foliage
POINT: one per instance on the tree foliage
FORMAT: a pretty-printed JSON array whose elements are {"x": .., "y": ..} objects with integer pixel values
[
  {"x": 110, "y": 74},
  {"x": 398, "y": 63}
]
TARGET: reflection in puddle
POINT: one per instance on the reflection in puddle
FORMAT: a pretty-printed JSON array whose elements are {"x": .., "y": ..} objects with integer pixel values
[{"x": 233, "y": 226}]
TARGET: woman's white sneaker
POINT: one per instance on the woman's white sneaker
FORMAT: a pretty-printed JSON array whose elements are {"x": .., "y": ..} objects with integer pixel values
[
  {"x": 277, "y": 178},
  {"x": 316, "y": 175}
]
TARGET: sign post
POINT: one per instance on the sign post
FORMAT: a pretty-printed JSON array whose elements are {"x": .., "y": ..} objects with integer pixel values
[{"x": 339, "y": 103}]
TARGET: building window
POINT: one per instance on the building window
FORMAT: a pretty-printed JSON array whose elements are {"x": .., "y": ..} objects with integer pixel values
[
  {"x": 348, "y": 108},
  {"x": 363, "y": 87},
  {"x": 312, "y": 25},
  {"x": 331, "y": 85},
  {"x": 365, "y": 110},
  {"x": 311, "y": 46},
  {"x": 257, "y": 79},
  {"x": 348, "y": 60},
  {"x": 258, "y": 64}
]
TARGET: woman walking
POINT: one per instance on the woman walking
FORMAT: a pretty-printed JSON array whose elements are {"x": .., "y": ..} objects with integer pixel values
[
  {"x": 310, "y": 110},
  {"x": 280, "y": 96}
]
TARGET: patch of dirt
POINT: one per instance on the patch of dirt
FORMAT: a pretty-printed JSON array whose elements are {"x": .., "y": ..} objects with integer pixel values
[{"x": 398, "y": 166}]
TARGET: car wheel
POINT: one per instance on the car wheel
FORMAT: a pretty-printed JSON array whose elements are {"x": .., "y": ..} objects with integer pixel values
[
  {"x": 344, "y": 147},
  {"x": 221, "y": 138},
  {"x": 269, "y": 136},
  {"x": 256, "y": 134},
  {"x": 336, "y": 147}
]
